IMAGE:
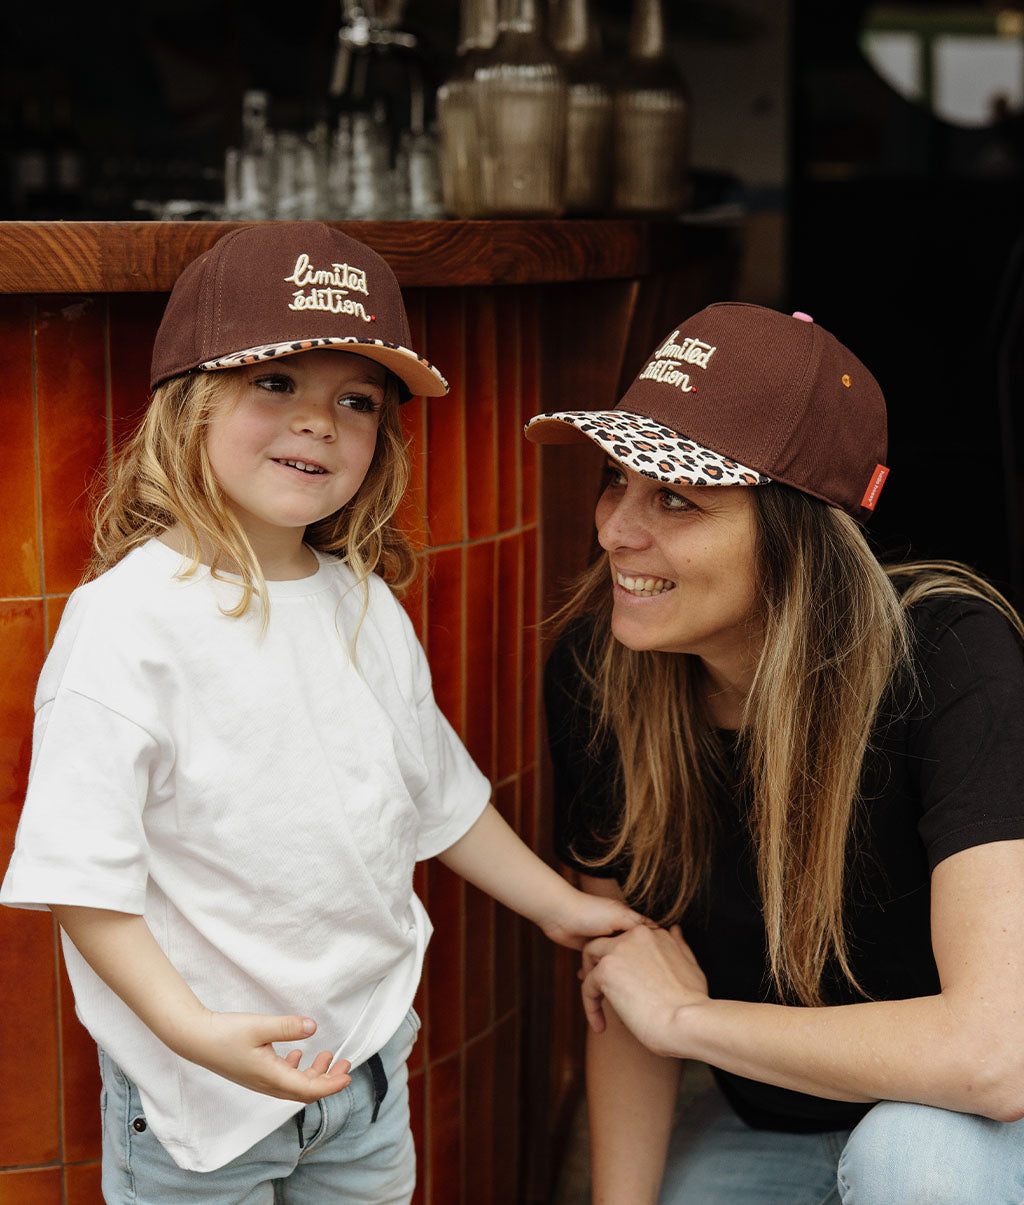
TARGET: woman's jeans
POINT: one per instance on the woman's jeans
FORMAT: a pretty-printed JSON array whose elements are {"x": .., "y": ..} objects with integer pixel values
[
  {"x": 899, "y": 1154},
  {"x": 332, "y": 1151}
]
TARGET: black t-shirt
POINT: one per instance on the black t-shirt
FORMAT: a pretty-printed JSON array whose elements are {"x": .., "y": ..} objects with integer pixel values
[{"x": 944, "y": 773}]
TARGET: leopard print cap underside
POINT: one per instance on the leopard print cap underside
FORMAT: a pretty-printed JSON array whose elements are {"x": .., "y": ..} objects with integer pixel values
[
  {"x": 274, "y": 351},
  {"x": 655, "y": 451}
]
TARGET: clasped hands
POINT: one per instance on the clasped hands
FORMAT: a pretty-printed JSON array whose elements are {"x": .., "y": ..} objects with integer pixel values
[{"x": 650, "y": 977}]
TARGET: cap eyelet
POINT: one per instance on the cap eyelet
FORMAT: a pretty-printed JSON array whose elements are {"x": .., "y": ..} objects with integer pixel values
[{"x": 846, "y": 380}]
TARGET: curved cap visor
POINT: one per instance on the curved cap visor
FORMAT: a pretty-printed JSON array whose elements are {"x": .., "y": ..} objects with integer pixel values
[
  {"x": 644, "y": 446},
  {"x": 422, "y": 378}
]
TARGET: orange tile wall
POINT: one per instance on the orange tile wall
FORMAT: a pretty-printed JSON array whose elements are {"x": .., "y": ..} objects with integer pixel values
[{"x": 74, "y": 376}]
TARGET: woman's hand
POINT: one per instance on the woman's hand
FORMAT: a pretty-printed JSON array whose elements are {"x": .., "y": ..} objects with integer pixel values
[{"x": 649, "y": 976}]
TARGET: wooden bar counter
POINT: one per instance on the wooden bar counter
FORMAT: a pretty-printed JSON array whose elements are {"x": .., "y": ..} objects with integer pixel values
[{"x": 520, "y": 317}]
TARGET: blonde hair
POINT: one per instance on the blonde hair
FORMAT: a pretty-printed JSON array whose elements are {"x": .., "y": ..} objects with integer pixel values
[
  {"x": 161, "y": 478},
  {"x": 836, "y": 638}
]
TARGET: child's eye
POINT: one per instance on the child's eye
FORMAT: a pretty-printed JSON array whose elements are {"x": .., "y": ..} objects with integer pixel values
[
  {"x": 363, "y": 403},
  {"x": 274, "y": 382}
]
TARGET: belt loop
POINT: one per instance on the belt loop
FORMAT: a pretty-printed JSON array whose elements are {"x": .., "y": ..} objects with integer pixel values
[{"x": 380, "y": 1083}]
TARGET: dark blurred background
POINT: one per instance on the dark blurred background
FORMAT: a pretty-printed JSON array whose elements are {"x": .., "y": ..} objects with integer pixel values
[{"x": 873, "y": 155}]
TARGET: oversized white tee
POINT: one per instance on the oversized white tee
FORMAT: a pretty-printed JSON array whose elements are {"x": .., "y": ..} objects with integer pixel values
[{"x": 260, "y": 798}]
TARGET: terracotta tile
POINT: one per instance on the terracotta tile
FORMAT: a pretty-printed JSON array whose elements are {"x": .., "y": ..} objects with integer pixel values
[
  {"x": 479, "y": 1114},
  {"x": 509, "y": 658},
  {"x": 82, "y": 1184},
  {"x": 444, "y": 633},
  {"x": 529, "y": 701},
  {"x": 444, "y": 1181},
  {"x": 417, "y": 1117},
  {"x": 510, "y": 427},
  {"x": 481, "y": 654},
  {"x": 81, "y": 1075},
  {"x": 529, "y": 406},
  {"x": 414, "y": 598},
  {"x": 20, "y": 571},
  {"x": 32, "y": 1186},
  {"x": 133, "y": 319},
  {"x": 508, "y": 926},
  {"x": 54, "y": 610},
  {"x": 29, "y": 1103},
  {"x": 479, "y": 961},
  {"x": 446, "y": 423},
  {"x": 72, "y": 409},
  {"x": 411, "y": 516},
  {"x": 481, "y": 416},
  {"x": 22, "y": 650},
  {"x": 445, "y": 963},
  {"x": 508, "y": 1159}
]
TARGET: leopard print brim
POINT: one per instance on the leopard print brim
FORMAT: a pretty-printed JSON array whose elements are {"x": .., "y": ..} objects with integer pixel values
[
  {"x": 275, "y": 351},
  {"x": 654, "y": 451}
]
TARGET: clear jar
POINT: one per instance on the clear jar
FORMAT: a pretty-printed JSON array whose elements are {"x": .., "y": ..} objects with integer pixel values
[
  {"x": 589, "y": 117},
  {"x": 652, "y": 123},
  {"x": 522, "y": 98}
]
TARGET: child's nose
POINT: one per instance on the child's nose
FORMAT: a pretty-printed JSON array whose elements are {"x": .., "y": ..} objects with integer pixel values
[{"x": 316, "y": 420}]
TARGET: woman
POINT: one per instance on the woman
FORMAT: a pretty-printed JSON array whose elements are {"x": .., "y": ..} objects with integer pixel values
[{"x": 808, "y": 769}]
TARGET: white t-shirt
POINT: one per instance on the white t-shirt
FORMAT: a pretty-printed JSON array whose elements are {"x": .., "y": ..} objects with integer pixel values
[{"x": 259, "y": 798}]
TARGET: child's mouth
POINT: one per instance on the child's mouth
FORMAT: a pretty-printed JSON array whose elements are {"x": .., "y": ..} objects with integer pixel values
[{"x": 303, "y": 466}]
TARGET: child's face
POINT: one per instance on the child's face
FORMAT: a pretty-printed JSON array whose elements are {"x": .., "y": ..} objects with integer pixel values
[{"x": 318, "y": 409}]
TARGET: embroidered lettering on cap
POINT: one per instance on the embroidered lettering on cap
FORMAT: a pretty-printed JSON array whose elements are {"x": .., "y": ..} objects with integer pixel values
[
  {"x": 690, "y": 351},
  {"x": 339, "y": 279},
  {"x": 667, "y": 373}
]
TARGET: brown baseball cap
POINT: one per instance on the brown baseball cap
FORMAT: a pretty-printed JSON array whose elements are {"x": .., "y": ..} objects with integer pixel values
[
  {"x": 742, "y": 395},
  {"x": 276, "y": 288}
]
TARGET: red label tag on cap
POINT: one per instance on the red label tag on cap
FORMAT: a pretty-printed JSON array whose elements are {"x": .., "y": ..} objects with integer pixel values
[{"x": 874, "y": 487}]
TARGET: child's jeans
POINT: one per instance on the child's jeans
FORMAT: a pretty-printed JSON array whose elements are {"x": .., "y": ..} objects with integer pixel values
[
  {"x": 330, "y": 1151},
  {"x": 899, "y": 1154}
]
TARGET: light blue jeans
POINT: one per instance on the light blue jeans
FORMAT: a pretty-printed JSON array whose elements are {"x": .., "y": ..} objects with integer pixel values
[
  {"x": 899, "y": 1154},
  {"x": 342, "y": 1157}
]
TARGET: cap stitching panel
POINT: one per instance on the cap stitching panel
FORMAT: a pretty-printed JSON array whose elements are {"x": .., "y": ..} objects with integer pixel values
[{"x": 802, "y": 389}]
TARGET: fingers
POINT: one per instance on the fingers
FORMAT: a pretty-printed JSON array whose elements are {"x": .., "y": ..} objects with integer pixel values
[{"x": 592, "y": 997}]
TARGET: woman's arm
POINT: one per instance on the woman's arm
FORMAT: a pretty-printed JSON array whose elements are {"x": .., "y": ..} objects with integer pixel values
[
  {"x": 492, "y": 857},
  {"x": 631, "y": 1096},
  {"x": 962, "y": 1049},
  {"x": 121, "y": 949}
]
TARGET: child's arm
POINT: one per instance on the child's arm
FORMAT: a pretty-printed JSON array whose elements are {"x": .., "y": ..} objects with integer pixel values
[
  {"x": 124, "y": 953},
  {"x": 492, "y": 857}
]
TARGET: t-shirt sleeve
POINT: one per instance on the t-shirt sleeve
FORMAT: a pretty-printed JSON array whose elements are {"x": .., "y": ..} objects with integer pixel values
[
  {"x": 585, "y": 777},
  {"x": 967, "y": 741},
  {"x": 81, "y": 838}
]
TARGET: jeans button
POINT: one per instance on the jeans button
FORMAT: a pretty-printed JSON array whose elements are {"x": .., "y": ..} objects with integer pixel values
[{"x": 139, "y": 1125}]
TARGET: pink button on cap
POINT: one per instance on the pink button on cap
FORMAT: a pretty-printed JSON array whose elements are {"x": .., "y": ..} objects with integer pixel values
[{"x": 802, "y": 316}]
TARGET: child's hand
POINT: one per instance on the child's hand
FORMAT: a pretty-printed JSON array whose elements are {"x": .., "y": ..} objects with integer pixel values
[
  {"x": 238, "y": 1047},
  {"x": 583, "y": 916}
]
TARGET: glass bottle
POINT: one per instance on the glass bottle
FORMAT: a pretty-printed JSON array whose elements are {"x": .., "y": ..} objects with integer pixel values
[
  {"x": 456, "y": 112},
  {"x": 588, "y": 138},
  {"x": 652, "y": 122},
  {"x": 521, "y": 95}
]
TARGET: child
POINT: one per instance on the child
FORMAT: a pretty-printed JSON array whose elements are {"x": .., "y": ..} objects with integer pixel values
[{"x": 228, "y": 791}]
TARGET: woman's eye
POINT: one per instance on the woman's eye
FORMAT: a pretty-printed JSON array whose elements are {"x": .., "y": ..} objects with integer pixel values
[
  {"x": 613, "y": 476},
  {"x": 364, "y": 404},
  {"x": 675, "y": 501}
]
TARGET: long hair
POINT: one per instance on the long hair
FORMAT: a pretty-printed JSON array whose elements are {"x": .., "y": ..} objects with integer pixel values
[
  {"x": 161, "y": 477},
  {"x": 835, "y": 638}
]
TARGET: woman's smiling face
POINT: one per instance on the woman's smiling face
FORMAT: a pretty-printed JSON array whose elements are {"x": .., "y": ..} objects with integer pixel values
[{"x": 682, "y": 560}]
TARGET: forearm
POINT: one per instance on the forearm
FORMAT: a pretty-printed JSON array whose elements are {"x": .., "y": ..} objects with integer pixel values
[
  {"x": 631, "y": 1096},
  {"x": 492, "y": 857},
  {"x": 124, "y": 953},
  {"x": 919, "y": 1050}
]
